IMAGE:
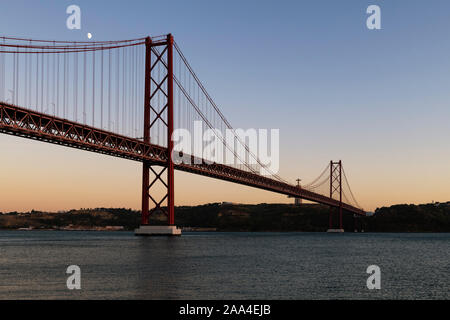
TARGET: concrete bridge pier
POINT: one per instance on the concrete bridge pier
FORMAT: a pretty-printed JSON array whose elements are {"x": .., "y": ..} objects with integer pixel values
[{"x": 146, "y": 230}]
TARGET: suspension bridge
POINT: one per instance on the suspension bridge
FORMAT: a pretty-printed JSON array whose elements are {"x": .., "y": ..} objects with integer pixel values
[{"x": 125, "y": 99}]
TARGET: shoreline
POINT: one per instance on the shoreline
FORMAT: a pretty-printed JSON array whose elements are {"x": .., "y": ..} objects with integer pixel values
[
  {"x": 426, "y": 218},
  {"x": 228, "y": 231}
]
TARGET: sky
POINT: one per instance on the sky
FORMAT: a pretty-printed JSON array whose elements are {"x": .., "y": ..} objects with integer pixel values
[{"x": 376, "y": 99}]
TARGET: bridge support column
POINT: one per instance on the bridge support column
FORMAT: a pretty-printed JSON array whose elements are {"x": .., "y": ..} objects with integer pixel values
[
  {"x": 331, "y": 225},
  {"x": 170, "y": 167},
  {"x": 163, "y": 87},
  {"x": 358, "y": 223},
  {"x": 145, "y": 165}
]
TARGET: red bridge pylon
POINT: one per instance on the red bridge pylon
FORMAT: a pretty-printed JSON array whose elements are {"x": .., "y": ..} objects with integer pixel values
[
  {"x": 158, "y": 83},
  {"x": 336, "y": 189}
]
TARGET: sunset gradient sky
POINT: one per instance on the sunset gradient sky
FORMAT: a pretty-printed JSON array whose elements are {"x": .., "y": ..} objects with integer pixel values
[{"x": 377, "y": 100}]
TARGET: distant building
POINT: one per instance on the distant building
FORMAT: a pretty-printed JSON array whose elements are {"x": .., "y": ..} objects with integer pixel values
[{"x": 226, "y": 203}]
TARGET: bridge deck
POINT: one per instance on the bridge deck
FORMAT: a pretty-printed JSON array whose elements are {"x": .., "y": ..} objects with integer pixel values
[{"x": 30, "y": 124}]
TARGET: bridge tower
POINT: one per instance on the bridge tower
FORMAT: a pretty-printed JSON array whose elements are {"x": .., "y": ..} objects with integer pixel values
[
  {"x": 336, "y": 190},
  {"x": 154, "y": 111}
]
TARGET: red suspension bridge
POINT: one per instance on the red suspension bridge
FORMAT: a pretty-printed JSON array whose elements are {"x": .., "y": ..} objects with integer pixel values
[{"x": 125, "y": 99}]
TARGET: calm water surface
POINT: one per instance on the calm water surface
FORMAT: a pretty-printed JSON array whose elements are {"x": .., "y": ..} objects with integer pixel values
[{"x": 118, "y": 265}]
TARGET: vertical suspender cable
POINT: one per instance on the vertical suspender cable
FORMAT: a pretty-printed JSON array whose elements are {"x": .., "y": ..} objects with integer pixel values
[
  {"x": 117, "y": 89},
  {"x": 42, "y": 81},
  {"x": 84, "y": 86},
  {"x": 123, "y": 91},
  {"x": 13, "y": 93},
  {"x": 135, "y": 92},
  {"x": 132, "y": 61},
  {"x": 57, "y": 84},
  {"x": 29, "y": 102},
  {"x": 93, "y": 88},
  {"x": 37, "y": 81},
  {"x": 25, "y": 95},
  {"x": 47, "y": 92},
  {"x": 109, "y": 89},
  {"x": 54, "y": 81},
  {"x": 1, "y": 74},
  {"x": 64, "y": 83},
  {"x": 17, "y": 79},
  {"x": 101, "y": 89},
  {"x": 75, "y": 88},
  {"x": 131, "y": 98}
]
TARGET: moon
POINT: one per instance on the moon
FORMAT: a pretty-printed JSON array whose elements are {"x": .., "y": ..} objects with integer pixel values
[{"x": 89, "y": 35}]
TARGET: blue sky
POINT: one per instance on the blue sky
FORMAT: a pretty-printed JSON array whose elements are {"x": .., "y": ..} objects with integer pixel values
[{"x": 377, "y": 99}]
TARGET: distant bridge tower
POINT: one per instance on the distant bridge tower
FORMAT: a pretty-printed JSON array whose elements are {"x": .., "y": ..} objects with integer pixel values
[{"x": 336, "y": 190}]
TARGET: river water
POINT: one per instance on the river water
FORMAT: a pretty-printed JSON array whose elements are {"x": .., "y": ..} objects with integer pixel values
[{"x": 119, "y": 265}]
